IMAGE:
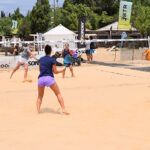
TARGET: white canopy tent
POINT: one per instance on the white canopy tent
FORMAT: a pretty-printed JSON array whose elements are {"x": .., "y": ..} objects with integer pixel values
[{"x": 59, "y": 33}]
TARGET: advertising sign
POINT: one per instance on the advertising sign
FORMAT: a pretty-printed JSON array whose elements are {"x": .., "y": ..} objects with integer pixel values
[{"x": 125, "y": 15}]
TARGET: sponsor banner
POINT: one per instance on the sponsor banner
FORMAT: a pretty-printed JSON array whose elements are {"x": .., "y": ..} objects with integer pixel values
[
  {"x": 125, "y": 15},
  {"x": 81, "y": 32},
  {"x": 14, "y": 24},
  {"x": 14, "y": 27},
  {"x": 40, "y": 36}
]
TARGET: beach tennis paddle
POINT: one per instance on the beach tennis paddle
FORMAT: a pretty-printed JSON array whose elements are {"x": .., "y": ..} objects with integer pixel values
[
  {"x": 60, "y": 60},
  {"x": 68, "y": 59}
]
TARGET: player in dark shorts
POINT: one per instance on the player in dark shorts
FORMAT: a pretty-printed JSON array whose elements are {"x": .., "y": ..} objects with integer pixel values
[
  {"x": 16, "y": 51},
  {"x": 66, "y": 52},
  {"x": 88, "y": 51}
]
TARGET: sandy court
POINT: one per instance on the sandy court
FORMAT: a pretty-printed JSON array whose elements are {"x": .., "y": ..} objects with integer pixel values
[{"x": 109, "y": 106}]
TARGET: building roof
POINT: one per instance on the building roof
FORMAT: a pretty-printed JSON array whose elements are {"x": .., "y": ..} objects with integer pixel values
[{"x": 114, "y": 28}]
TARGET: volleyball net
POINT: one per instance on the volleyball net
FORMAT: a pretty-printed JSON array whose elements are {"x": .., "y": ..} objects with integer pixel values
[{"x": 117, "y": 50}]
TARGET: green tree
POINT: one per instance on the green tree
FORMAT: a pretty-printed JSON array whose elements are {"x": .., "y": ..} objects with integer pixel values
[
  {"x": 40, "y": 16},
  {"x": 2, "y": 14},
  {"x": 17, "y": 15},
  {"x": 88, "y": 3},
  {"x": 9, "y": 15},
  {"x": 110, "y": 6},
  {"x": 104, "y": 11},
  {"x": 105, "y": 19},
  {"x": 5, "y": 26},
  {"x": 72, "y": 13},
  {"x": 140, "y": 2},
  {"x": 24, "y": 28},
  {"x": 93, "y": 20},
  {"x": 58, "y": 16},
  {"x": 98, "y": 6},
  {"x": 141, "y": 19}
]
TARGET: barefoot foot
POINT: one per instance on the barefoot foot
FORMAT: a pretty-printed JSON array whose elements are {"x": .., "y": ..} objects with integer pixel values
[
  {"x": 65, "y": 113},
  {"x": 73, "y": 76}
]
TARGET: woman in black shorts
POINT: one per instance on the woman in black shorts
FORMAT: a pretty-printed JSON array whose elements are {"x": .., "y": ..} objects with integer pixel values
[{"x": 88, "y": 51}]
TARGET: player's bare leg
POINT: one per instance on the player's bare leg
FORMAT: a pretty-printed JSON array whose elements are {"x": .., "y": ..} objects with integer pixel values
[
  {"x": 26, "y": 73},
  {"x": 56, "y": 90},
  {"x": 40, "y": 97},
  {"x": 63, "y": 74},
  {"x": 14, "y": 70},
  {"x": 71, "y": 70}
]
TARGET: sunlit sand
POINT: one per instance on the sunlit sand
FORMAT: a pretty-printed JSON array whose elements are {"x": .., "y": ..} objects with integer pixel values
[{"x": 109, "y": 106}]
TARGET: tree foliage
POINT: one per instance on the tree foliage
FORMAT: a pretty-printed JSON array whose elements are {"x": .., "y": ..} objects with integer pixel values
[
  {"x": 140, "y": 2},
  {"x": 58, "y": 17},
  {"x": 103, "y": 11},
  {"x": 2, "y": 14},
  {"x": 141, "y": 19},
  {"x": 24, "y": 28},
  {"x": 98, "y": 6},
  {"x": 5, "y": 26},
  {"x": 17, "y": 15},
  {"x": 105, "y": 19},
  {"x": 107, "y": 11},
  {"x": 72, "y": 13},
  {"x": 88, "y": 3},
  {"x": 40, "y": 16}
]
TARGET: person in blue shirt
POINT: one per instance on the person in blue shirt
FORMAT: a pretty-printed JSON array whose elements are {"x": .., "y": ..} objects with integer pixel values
[
  {"x": 47, "y": 67},
  {"x": 65, "y": 53}
]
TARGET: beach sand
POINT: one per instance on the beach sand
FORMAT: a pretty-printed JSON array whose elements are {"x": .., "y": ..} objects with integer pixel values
[{"x": 109, "y": 106}]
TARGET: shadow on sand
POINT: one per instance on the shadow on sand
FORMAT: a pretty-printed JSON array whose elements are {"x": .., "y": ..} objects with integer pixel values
[
  {"x": 145, "y": 69},
  {"x": 49, "y": 110},
  {"x": 109, "y": 64},
  {"x": 126, "y": 66}
]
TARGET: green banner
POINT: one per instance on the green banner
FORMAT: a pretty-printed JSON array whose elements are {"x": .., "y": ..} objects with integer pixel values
[
  {"x": 125, "y": 15},
  {"x": 14, "y": 24}
]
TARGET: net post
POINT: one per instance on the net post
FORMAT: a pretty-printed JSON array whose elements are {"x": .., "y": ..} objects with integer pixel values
[
  {"x": 115, "y": 55},
  {"x": 149, "y": 42},
  {"x": 132, "y": 55}
]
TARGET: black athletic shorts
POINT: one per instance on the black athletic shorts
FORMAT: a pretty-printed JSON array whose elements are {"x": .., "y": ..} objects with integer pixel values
[{"x": 87, "y": 51}]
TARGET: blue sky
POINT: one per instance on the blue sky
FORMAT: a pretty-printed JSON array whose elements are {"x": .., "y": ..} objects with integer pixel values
[{"x": 24, "y": 5}]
